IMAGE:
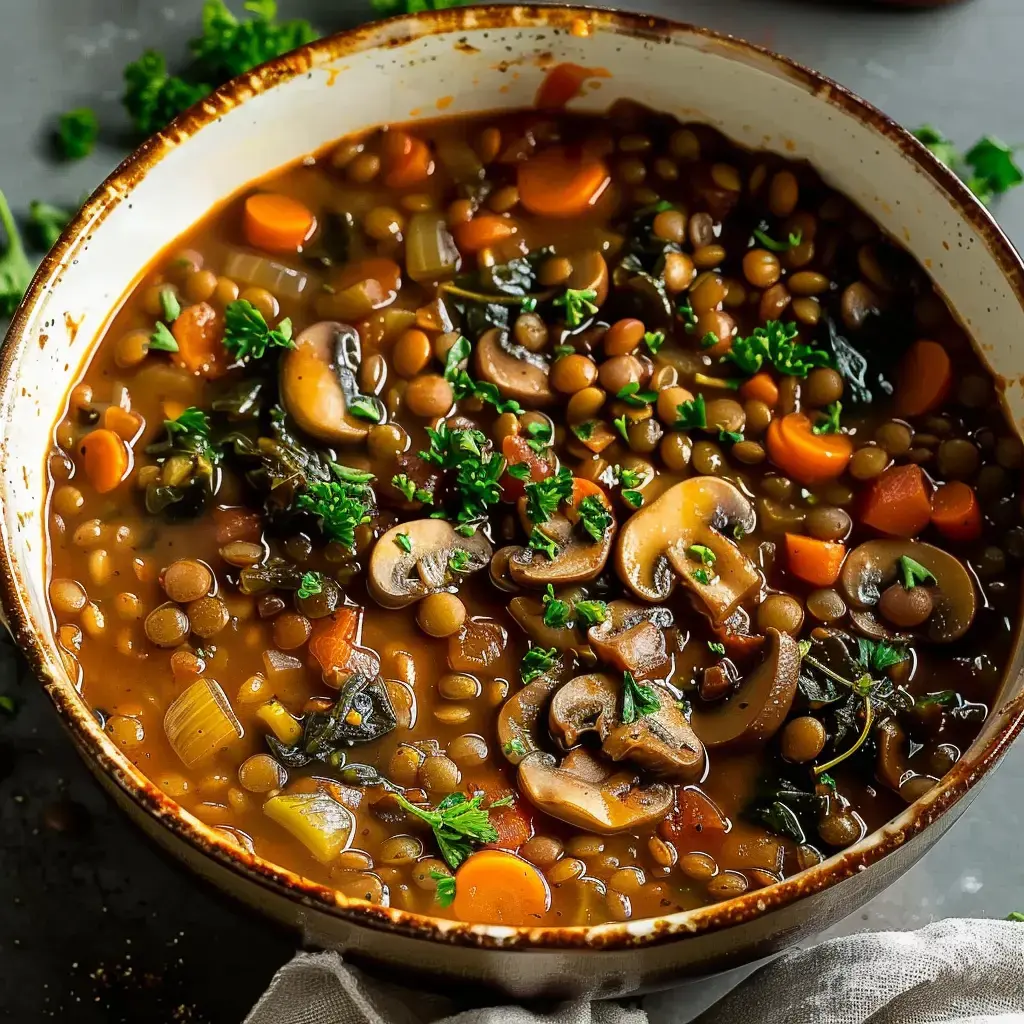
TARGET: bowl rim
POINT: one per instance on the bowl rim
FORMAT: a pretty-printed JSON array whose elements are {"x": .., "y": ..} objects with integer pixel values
[{"x": 103, "y": 756}]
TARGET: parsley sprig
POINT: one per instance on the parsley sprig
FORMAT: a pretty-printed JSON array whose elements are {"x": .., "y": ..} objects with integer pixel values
[
  {"x": 536, "y": 661},
  {"x": 914, "y": 574},
  {"x": 340, "y": 505},
  {"x": 988, "y": 168},
  {"x": 766, "y": 240},
  {"x": 692, "y": 414},
  {"x": 557, "y": 614},
  {"x": 594, "y": 517},
  {"x": 477, "y": 469},
  {"x": 463, "y": 386},
  {"x": 311, "y": 584},
  {"x": 830, "y": 424},
  {"x": 544, "y": 496},
  {"x": 458, "y": 822},
  {"x": 578, "y": 304},
  {"x": 775, "y": 345},
  {"x": 638, "y": 700},
  {"x": 408, "y": 489},
  {"x": 191, "y": 432},
  {"x": 248, "y": 337}
]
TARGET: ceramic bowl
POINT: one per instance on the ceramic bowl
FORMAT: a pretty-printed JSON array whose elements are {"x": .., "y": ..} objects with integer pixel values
[{"x": 455, "y": 62}]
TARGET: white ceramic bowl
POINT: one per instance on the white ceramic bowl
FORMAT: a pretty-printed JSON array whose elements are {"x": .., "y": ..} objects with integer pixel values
[{"x": 455, "y": 62}]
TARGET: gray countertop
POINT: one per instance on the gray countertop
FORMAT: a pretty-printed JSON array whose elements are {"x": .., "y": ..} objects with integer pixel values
[{"x": 95, "y": 924}]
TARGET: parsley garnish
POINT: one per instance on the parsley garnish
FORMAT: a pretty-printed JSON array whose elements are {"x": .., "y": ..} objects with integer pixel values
[
  {"x": 556, "y": 613},
  {"x": 311, "y": 584},
  {"x": 702, "y": 553},
  {"x": 701, "y": 576},
  {"x": 77, "y": 132},
  {"x": 191, "y": 432},
  {"x": 518, "y": 470},
  {"x": 733, "y": 436},
  {"x": 578, "y": 305},
  {"x": 403, "y": 541},
  {"x": 691, "y": 414},
  {"x": 987, "y": 168},
  {"x": 633, "y": 498},
  {"x": 829, "y": 425},
  {"x": 458, "y": 561},
  {"x": 654, "y": 340},
  {"x": 685, "y": 310},
  {"x": 540, "y": 541},
  {"x": 409, "y": 490},
  {"x": 795, "y": 238},
  {"x": 638, "y": 701},
  {"x": 540, "y": 436},
  {"x": 457, "y": 822},
  {"x": 515, "y": 746},
  {"x": 627, "y": 477},
  {"x": 584, "y": 431},
  {"x": 710, "y": 340},
  {"x": 716, "y": 648},
  {"x": 621, "y": 424},
  {"x": 366, "y": 408},
  {"x": 339, "y": 507},
  {"x": 170, "y": 305},
  {"x": 477, "y": 469},
  {"x": 826, "y": 780},
  {"x": 247, "y": 335},
  {"x": 590, "y": 613},
  {"x": 8, "y": 705},
  {"x": 594, "y": 517},
  {"x": 463, "y": 386},
  {"x": 632, "y": 395},
  {"x": 536, "y": 661},
  {"x": 914, "y": 574},
  {"x": 161, "y": 340},
  {"x": 774, "y": 344},
  {"x": 544, "y": 496},
  {"x": 445, "y": 891}
]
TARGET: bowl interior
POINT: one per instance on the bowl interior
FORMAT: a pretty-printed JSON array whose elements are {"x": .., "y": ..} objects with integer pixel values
[{"x": 455, "y": 62}]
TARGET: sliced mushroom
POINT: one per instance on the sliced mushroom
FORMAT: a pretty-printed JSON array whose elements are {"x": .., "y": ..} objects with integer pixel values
[
  {"x": 632, "y": 639},
  {"x": 757, "y": 709},
  {"x": 617, "y": 803},
  {"x": 516, "y": 372},
  {"x": 662, "y": 742},
  {"x": 657, "y": 546},
  {"x": 318, "y": 383},
  {"x": 580, "y": 558},
  {"x": 529, "y": 614},
  {"x": 873, "y": 565},
  {"x": 518, "y": 731},
  {"x": 398, "y": 577},
  {"x": 585, "y": 704},
  {"x": 891, "y": 767},
  {"x": 589, "y": 274},
  {"x": 499, "y": 573}
]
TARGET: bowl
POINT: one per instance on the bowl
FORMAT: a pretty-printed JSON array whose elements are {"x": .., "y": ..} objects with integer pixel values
[{"x": 461, "y": 61}]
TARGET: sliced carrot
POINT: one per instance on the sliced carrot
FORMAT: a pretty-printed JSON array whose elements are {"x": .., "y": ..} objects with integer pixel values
[
  {"x": 805, "y": 456},
  {"x": 334, "y": 638},
  {"x": 761, "y": 388},
  {"x": 483, "y": 232},
  {"x": 495, "y": 887},
  {"x": 564, "y": 82},
  {"x": 815, "y": 561},
  {"x": 560, "y": 183},
  {"x": 106, "y": 459},
  {"x": 517, "y": 451},
  {"x": 924, "y": 380},
  {"x": 696, "y": 819},
  {"x": 127, "y": 425},
  {"x": 897, "y": 502},
  {"x": 407, "y": 160},
  {"x": 199, "y": 331},
  {"x": 277, "y": 223},
  {"x": 956, "y": 513}
]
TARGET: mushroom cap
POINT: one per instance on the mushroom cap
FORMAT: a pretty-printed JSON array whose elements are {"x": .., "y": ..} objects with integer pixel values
[
  {"x": 529, "y": 614},
  {"x": 518, "y": 717},
  {"x": 653, "y": 546},
  {"x": 580, "y": 558},
  {"x": 873, "y": 565},
  {"x": 317, "y": 381},
  {"x": 755, "y": 712},
  {"x": 397, "y": 577},
  {"x": 662, "y": 742},
  {"x": 514, "y": 371},
  {"x": 632, "y": 639},
  {"x": 584, "y": 704},
  {"x": 614, "y": 804}
]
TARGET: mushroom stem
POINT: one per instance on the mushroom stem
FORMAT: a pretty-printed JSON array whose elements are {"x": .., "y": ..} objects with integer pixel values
[{"x": 869, "y": 721}]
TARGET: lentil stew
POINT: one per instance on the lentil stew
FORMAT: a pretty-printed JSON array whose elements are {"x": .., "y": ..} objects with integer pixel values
[{"x": 538, "y": 519}]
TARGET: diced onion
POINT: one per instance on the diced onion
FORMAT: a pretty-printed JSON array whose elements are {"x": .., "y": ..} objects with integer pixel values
[
  {"x": 200, "y": 723},
  {"x": 276, "y": 717},
  {"x": 284, "y": 673},
  {"x": 260, "y": 272},
  {"x": 317, "y": 820},
  {"x": 430, "y": 251}
]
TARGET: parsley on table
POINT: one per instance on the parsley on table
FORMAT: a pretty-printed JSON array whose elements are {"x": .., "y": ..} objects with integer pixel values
[
  {"x": 702, "y": 553},
  {"x": 544, "y": 496},
  {"x": 536, "y": 661},
  {"x": 766, "y": 240},
  {"x": 638, "y": 700},
  {"x": 594, "y": 517},
  {"x": 77, "y": 132},
  {"x": 457, "y": 822},
  {"x": 445, "y": 891},
  {"x": 988, "y": 168},
  {"x": 590, "y": 613},
  {"x": 775, "y": 344},
  {"x": 339, "y": 506},
  {"x": 540, "y": 541},
  {"x": 247, "y": 335},
  {"x": 578, "y": 304},
  {"x": 191, "y": 432},
  {"x": 688, "y": 316},
  {"x": 632, "y": 395},
  {"x": 408, "y": 489},
  {"x": 913, "y": 573},
  {"x": 46, "y": 222},
  {"x": 15, "y": 269},
  {"x": 716, "y": 648},
  {"x": 621, "y": 424},
  {"x": 701, "y": 576},
  {"x": 829, "y": 425},
  {"x": 1015, "y": 916},
  {"x": 654, "y": 340},
  {"x": 691, "y": 414},
  {"x": 311, "y": 584},
  {"x": 8, "y": 705},
  {"x": 458, "y": 561},
  {"x": 403, "y": 541},
  {"x": 161, "y": 340},
  {"x": 556, "y": 613}
]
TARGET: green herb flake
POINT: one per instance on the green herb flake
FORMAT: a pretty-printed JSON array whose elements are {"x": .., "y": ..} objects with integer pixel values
[
  {"x": 914, "y": 574},
  {"x": 766, "y": 240},
  {"x": 654, "y": 340},
  {"x": 702, "y": 553},
  {"x": 518, "y": 470},
  {"x": 578, "y": 305},
  {"x": 732, "y": 436},
  {"x": 445, "y": 891},
  {"x": 459, "y": 560},
  {"x": 584, "y": 431},
  {"x": 515, "y": 746},
  {"x": 701, "y": 576},
  {"x": 627, "y": 477},
  {"x": 691, "y": 415},
  {"x": 557, "y": 613},
  {"x": 403, "y": 541},
  {"x": 536, "y": 661},
  {"x": 311, "y": 584},
  {"x": 632, "y": 395},
  {"x": 408, "y": 489},
  {"x": 716, "y": 648},
  {"x": 621, "y": 424},
  {"x": 366, "y": 408},
  {"x": 688, "y": 316},
  {"x": 338, "y": 506},
  {"x": 161, "y": 340},
  {"x": 77, "y": 133},
  {"x": 638, "y": 700},
  {"x": 170, "y": 305},
  {"x": 544, "y": 496},
  {"x": 540, "y": 541},
  {"x": 590, "y": 613},
  {"x": 8, "y": 705},
  {"x": 710, "y": 340},
  {"x": 594, "y": 517},
  {"x": 633, "y": 498},
  {"x": 775, "y": 344},
  {"x": 878, "y": 655},
  {"x": 191, "y": 432},
  {"x": 248, "y": 337},
  {"x": 830, "y": 424},
  {"x": 458, "y": 823}
]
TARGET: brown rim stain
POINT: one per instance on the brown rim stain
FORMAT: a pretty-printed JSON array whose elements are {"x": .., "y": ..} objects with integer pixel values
[{"x": 394, "y": 33}]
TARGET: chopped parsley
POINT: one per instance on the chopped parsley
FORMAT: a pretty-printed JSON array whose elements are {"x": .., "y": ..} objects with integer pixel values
[
  {"x": 544, "y": 496},
  {"x": 621, "y": 424},
  {"x": 702, "y": 553},
  {"x": 688, "y": 316},
  {"x": 691, "y": 414},
  {"x": 701, "y": 576},
  {"x": 458, "y": 561},
  {"x": 366, "y": 408},
  {"x": 311, "y": 584},
  {"x": 515, "y": 746},
  {"x": 536, "y": 661},
  {"x": 584, "y": 431},
  {"x": 539, "y": 436},
  {"x": 633, "y": 498},
  {"x": 161, "y": 340},
  {"x": 339, "y": 507},
  {"x": 578, "y": 305},
  {"x": 409, "y": 490},
  {"x": 710, "y": 340},
  {"x": 458, "y": 822},
  {"x": 766, "y": 240},
  {"x": 557, "y": 614},
  {"x": 829, "y": 425},
  {"x": 775, "y": 345},
  {"x": 191, "y": 432},
  {"x": 716, "y": 648},
  {"x": 247, "y": 336},
  {"x": 477, "y": 469},
  {"x": 914, "y": 574},
  {"x": 403, "y": 541},
  {"x": 638, "y": 700},
  {"x": 77, "y": 133},
  {"x": 590, "y": 613},
  {"x": 445, "y": 891},
  {"x": 594, "y": 517},
  {"x": 518, "y": 470},
  {"x": 654, "y": 340},
  {"x": 170, "y": 305},
  {"x": 540, "y": 541},
  {"x": 732, "y": 436},
  {"x": 627, "y": 477},
  {"x": 463, "y": 386},
  {"x": 632, "y": 395}
]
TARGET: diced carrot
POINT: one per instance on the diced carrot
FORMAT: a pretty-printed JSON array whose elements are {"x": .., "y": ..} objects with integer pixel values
[
  {"x": 815, "y": 561},
  {"x": 127, "y": 425},
  {"x": 897, "y": 502},
  {"x": 387, "y": 273},
  {"x": 956, "y": 513},
  {"x": 495, "y": 887},
  {"x": 924, "y": 380},
  {"x": 582, "y": 488},
  {"x": 172, "y": 408},
  {"x": 560, "y": 183},
  {"x": 106, "y": 459},
  {"x": 514, "y": 822},
  {"x": 334, "y": 639},
  {"x": 517, "y": 451},
  {"x": 761, "y": 388},
  {"x": 407, "y": 160},
  {"x": 277, "y": 223},
  {"x": 564, "y": 82},
  {"x": 805, "y": 456},
  {"x": 483, "y": 232},
  {"x": 696, "y": 819},
  {"x": 199, "y": 331}
]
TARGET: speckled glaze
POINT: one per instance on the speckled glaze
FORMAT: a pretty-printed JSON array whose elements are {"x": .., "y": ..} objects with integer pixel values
[{"x": 461, "y": 61}]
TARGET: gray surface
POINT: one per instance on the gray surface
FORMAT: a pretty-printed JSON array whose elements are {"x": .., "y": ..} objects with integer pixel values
[{"x": 94, "y": 924}]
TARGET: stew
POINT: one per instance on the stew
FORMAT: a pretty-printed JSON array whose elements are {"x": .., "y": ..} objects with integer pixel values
[{"x": 538, "y": 519}]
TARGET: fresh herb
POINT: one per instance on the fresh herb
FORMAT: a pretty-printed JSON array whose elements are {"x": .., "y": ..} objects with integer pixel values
[
  {"x": 738, "y": 533},
  {"x": 459, "y": 560},
  {"x": 829, "y": 425},
  {"x": 15, "y": 269},
  {"x": 775, "y": 345},
  {"x": 621, "y": 424},
  {"x": 247, "y": 335},
  {"x": 1015, "y": 916},
  {"x": 688, "y": 316},
  {"x": 632, "y": 395},
  {"x": 312, "y": 583},
  {"x": 191, "y": 432},
  {"x": 556, "y": 613},
  {"x": 627, "y": 477},
  {"x": 46, "y": 222},
  {"x": 463, "y": 386},
  {"x": 988, "y": 168},
  {"x": 161, "y": 340},
  {"x": 878, "y": 655},
  {"x": 701, "y": 576},
  {"x": 536, "y": 661},
  {"x": 366, "y": 408},
  {"x": 787, "y": 810},
  {"x": 584, "y": 431},
  {"x": 544, "y": 496},
  {"x": 590, "y": 613},
  {"x": 170, "y": 305},
  {"x": 518, "y": 470},
  {"x": 408, "y": 489},
  {"x": 594, "y": 517},
  {"x": 710, "y": 340},
  {"x": 445, "y": 891},
  {"x": 691, "y": 414},
  {"x": 386, "y": 8},
  {"x": 732, "y": 436},
  {"x": 77, "y": 132},
  {"x": 826, "y": 780},
  {"x": 654, "y": 340},
  {"x": 563, "y": 350},
  {"x": 457, "y": 355},
  {"x": 633, "y": 498},
  {"x": 539, "y": 436},
  {"x": 540, "y": 541},
  {"x": 515, "y": 746},
  {"x": 795, "y": 238},
  {"x": 458, "y": 822},
  {"x": 716, "y": 648},
  {"x": 403, "y": 541},
  {"x": 339, "y": 506},
  {"x": 702, "y": 553},
  {"x": 914, "y": 574},
  {"x": 578, "y": 305},
  {"x": 477, "y": 469},
  {"x": 638, "y": 700}
]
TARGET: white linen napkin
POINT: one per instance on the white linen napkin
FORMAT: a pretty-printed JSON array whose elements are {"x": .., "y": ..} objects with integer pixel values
[{"x": 955, "y": 971}]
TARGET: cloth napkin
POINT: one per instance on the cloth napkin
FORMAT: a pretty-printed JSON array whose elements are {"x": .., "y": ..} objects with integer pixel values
[{"x": 962, "y": 971}]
